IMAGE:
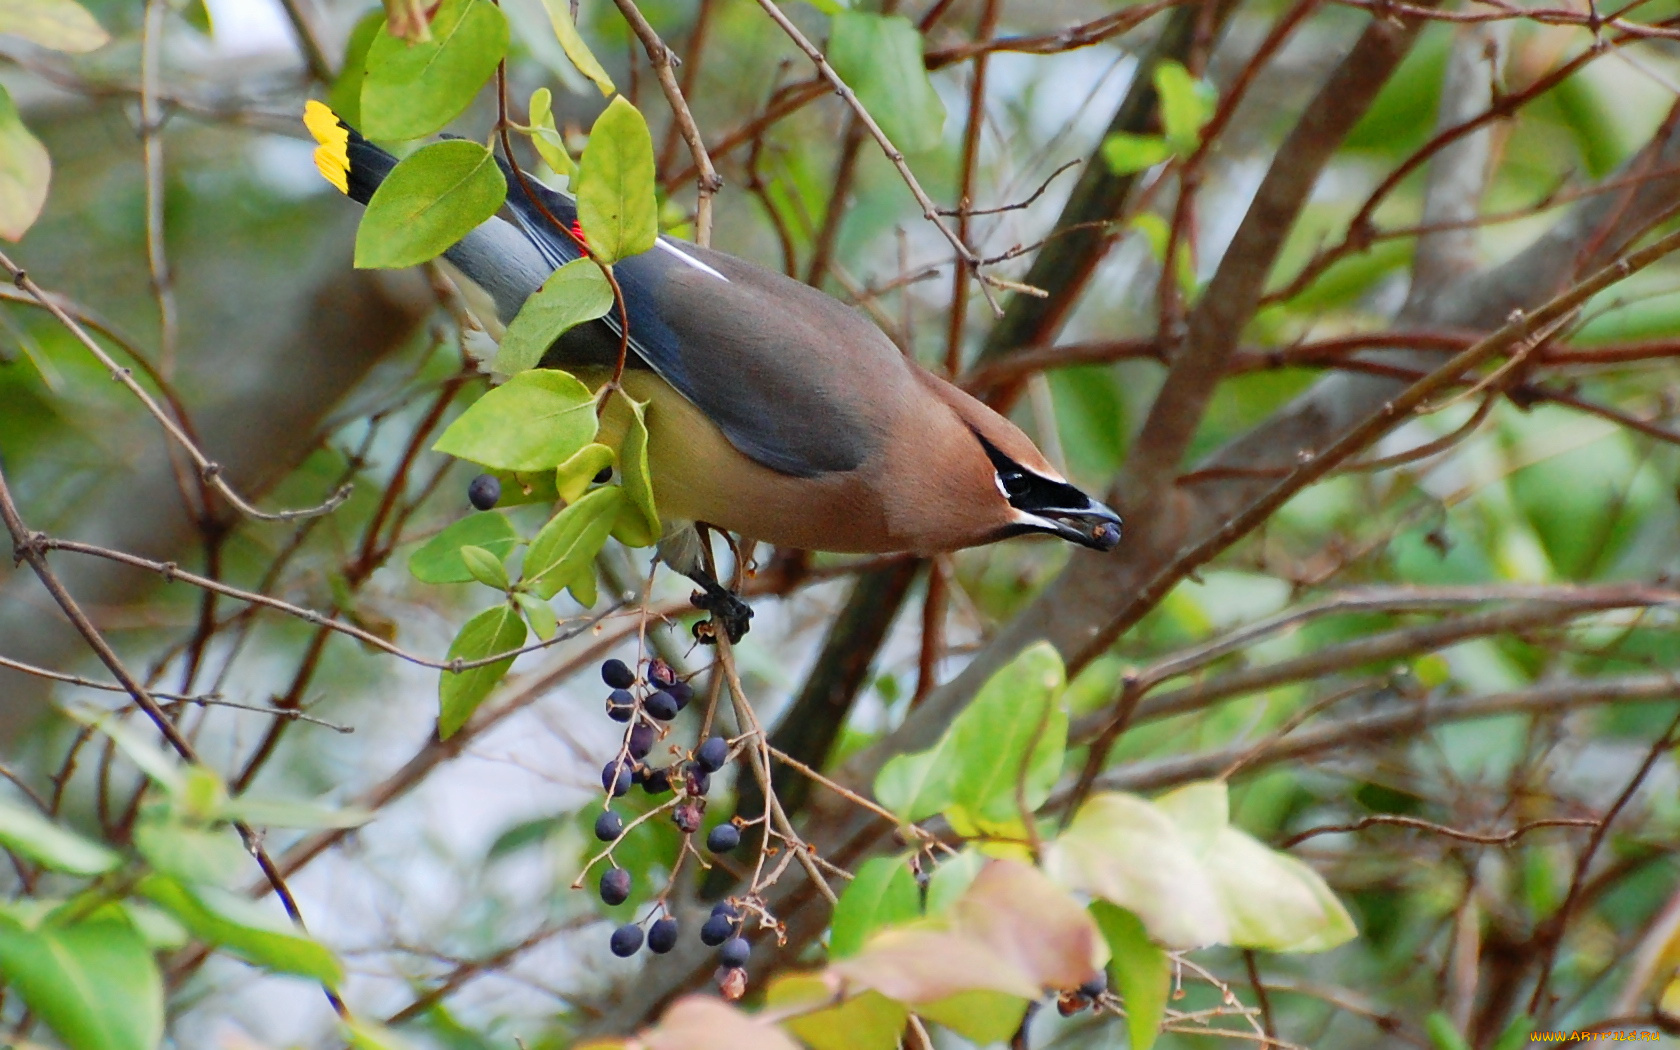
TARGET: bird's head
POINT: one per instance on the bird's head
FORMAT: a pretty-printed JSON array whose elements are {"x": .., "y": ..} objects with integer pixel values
[
  {"x": 1043, "y": 501},
  {"x": 1021, "y": 492}
]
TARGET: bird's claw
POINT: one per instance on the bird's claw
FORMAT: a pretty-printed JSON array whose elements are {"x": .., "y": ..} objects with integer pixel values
[{"x": 728, "y": 611}]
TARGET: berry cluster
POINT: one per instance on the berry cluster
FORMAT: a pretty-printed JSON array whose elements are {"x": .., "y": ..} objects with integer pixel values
[
  {"x": 1088, "y": 995},
  {"x": 723, "y": 932},
  {"x": 661, "y": 699}
]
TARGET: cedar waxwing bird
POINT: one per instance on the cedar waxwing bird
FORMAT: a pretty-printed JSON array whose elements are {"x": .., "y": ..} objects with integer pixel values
[{"x": 774, "y": 411}]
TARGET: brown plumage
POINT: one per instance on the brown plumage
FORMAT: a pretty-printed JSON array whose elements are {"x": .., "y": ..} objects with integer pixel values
[{"x": 774, "y": 410}]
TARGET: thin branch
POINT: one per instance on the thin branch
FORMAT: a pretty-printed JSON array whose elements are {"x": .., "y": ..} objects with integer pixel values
[
  {"x": 930, "y": 211},
  {"x": 173, "y": 573},
  {"x": 26, "y": 549},
  {"x": 1504, "y": 838},
  {"x": 151, "y": 144},
  {"x": 660, "y": 56},
  {"x": 208, "y": 471},
  {"x": 1557, "y": 926}
]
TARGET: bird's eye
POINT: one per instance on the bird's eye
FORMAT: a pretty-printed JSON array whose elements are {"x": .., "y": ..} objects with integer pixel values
[{"x": 1014, "y": 483}]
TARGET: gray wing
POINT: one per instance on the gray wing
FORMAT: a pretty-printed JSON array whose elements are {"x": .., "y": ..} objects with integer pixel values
[{"x": 782, "y": 369}]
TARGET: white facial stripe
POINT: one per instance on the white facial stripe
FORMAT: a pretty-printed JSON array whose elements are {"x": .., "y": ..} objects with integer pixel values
[
  {"x": 1023, "y": 518},
  {"x": 671, "y": 247}
]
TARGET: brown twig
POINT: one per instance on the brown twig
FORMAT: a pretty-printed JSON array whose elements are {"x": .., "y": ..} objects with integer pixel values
[
  {"x": 208, "y": 471},
  {"x": 26, "y": 547},
  {"x": 1503, "y": 838},
  {"x": 708, "y": 182}
]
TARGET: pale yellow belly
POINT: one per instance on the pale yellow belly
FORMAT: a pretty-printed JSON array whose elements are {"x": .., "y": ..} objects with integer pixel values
[{"x": 699, "y": 476}]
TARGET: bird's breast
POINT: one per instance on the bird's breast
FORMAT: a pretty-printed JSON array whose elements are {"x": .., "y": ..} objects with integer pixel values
[{"x": 699, "y": 476}]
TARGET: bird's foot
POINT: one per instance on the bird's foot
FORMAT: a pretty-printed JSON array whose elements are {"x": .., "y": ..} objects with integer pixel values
[{"x": 728, "y": 611}]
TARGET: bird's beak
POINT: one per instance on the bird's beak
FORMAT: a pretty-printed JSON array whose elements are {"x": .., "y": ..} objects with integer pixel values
[{"x": 1094, "y": 525}]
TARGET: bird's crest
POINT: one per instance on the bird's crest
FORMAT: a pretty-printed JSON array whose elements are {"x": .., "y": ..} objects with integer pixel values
[{"x": 332, "y": 152}]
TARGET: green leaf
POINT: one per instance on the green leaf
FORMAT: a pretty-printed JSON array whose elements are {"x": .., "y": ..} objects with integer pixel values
[
  {"x": 1192, "y": 879},
  {"x": 538, "y": 613},
  {"x": 285, "y": 813},
  {"x": 61, "y": 25},
  {"x": 1141, "y": 971},
  {"x": 951, "y": 879},
  {"x": 583, "y": 587},
  {"x": 535, "y": 421},
  {"x": 1186, "y": 105},
  {"x": 495, "y": 630},
  {"x": 565, "y": 30},
  {"x": 243, "y": 928},
  {"x": 567, "y": 545},
  {"x": 573, "y": 477},
  {"x": 545, "y": 137},
  {"x": 880, "y": 59},
  {"x": 1127, "y": 153},
  {"x": 191, "y": 854},
  {"x": 439, "y": 560},
  {"x": 573, "y": 294},
  {"x": 1443, "y": 1033},
  {"x": 161, "y": 768},
  {"x": 1016, "y": 710},
  {"x": 983, "y": 1018},
  {"x": 520, "y": 488},
  {"x": 157, "y": 928},
  {"x": 869, "y": 1021},
  {"x": 25, "y": 170},
  {"x": 916, "y": 786},
  {"x": 28, "y": 834},
  {"x": 1275, "y": 902},
  {"x": 1270, "y": 900},
  {"x": 95, "y": 984},
  {"x": 615, "y": 199},
  {"x": 485, "y": 567},
  {"x": 345, "y": 98},
  {"x": 371, "y": 1035},
  {"x": 638, "y": 524},
  {"x": 430, "y": 200},
  {"x": 414, "y": 89},
  {"x": 1121, "y": 849},
  {"x": 882, "y": 893}
]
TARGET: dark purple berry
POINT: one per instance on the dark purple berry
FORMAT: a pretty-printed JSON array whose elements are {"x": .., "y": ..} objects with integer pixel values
[
  {"x": 661, "y": 675},
  {"x": 656, "y": 781},
  {"x": 725, "y": 908},
  {"x": 609, "y": 826},
  {"x": 484, "y": 492},
  {"x": 735, "y": 952},
  {"x": 621, "y": 705},
  {"x": 718, "y": 928},
  {"x": 661, "y": 705},
  {"x": 698, "y": 780},
  {"x": 627, "y": 940},
  {"x": 615, "y": 886},
  {"x": 616, "y": 777},
  {"x": 711, "y": 755},
  {"x": 723, "y": 838},
  {"x": 641, "y": 741},
  {"x": 1095, "y": 987},
  {"x": 617, "y": 675},
  {"x": 687, "y": 817},
  {"x": 681, "y": 692},
  {"x": 662, "y": 936}
]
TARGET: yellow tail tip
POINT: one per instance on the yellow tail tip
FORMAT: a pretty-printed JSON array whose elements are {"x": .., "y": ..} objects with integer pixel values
[{"x": 332, "y": 152}]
